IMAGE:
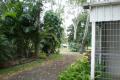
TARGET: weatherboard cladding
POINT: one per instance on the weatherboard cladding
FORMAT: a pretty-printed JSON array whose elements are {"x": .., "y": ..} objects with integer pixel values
[{"x": 105, "y": 13}]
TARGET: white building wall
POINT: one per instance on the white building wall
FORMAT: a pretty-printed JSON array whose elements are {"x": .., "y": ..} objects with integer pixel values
[
  {"x": 103, "y": 0},
  {"x": 105, "y": 13},
  {"x": 100, "y": 14}
]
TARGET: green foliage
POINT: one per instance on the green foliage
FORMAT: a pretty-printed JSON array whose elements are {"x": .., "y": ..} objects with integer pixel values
[
  {"x": 52, "y": 26},
  {"x": 7, "y": 50},
  {"x": 18, "y": 28},
  {"x": 80, "y": 22},
  {"x": 77, "y": 71},
  {"x": 74, "y": 47},
  {"x": 70, "y": 30},
  {"x": 22, "y": 35},
  {"x": 78, "y": 1}
]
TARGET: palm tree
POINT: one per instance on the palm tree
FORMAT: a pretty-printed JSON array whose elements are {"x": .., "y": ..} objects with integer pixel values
[{"x": 19, "y": 24}]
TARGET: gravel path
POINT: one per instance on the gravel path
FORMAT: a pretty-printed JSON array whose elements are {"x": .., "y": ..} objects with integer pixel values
[{"x": 49, "y": 71}]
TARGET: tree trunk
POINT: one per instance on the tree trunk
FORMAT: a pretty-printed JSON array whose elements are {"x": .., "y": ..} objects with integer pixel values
[
  {"x": 37, "y": 24},
  {"x": 82, "y": 48}
]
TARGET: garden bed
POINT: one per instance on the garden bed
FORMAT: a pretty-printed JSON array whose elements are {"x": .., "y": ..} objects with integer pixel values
[{"x": 80, "y": 70}]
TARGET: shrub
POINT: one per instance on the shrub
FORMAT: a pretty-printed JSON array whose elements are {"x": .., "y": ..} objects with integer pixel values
[
  {"x": 7, "y": 50},
  {"x": 77, "y": 71},
  {"x": 74, "y": 46}
]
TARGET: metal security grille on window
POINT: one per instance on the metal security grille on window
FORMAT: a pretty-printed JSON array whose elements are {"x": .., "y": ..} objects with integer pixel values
[{"x": 107, "y": 52}]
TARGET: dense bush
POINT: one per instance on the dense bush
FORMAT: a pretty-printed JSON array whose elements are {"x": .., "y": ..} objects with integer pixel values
[
  {"x": 74, "y": 47},
  {"x": 52, "y": 26},
  {"x": 18, "y": 29},
  {"x": 22, "y": 34},
  {"x": 7, "y": 49},
  {"x": 77, "y": 71}
]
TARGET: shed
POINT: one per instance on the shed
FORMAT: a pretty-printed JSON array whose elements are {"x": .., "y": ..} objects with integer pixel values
[{"x": 105, "y": 56}]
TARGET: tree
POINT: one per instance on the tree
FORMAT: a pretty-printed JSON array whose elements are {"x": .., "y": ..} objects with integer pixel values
[
  {"x": 52, "y": 26},
  {"x": 70, "y": 30},
  {"x": 22, "y": 35},
  {"x": 78, "y": 1},
  {"x": 19, "y": 24},
  {"x": 7, "y": 49},
  {"x": 80, "y": 23},
  {"x": 85, "y": 40}
]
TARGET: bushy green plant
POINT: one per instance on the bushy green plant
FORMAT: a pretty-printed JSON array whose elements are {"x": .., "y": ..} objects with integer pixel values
[
  {"x": 52, "y": 26},
  {"x": 7, "y": 49},
  {"x": 22, "y": 35},
  {"x": 74, "y": 47},
  {"x": 21, "y": 26},
  {"x": 77, "y": 71}
]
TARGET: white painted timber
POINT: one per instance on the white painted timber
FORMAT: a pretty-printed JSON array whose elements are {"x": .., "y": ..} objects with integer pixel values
[
  {"x": 93, "y": 52},
  {"x": 103, "y": 0},
  {"x": 105, "y": 13}
]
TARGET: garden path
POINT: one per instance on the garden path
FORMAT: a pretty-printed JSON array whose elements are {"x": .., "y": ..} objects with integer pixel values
[{"x": 49, "y": 71}]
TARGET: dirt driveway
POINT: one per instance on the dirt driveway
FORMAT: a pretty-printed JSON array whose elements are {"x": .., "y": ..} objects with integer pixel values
[{"x": 49, "y": 71}]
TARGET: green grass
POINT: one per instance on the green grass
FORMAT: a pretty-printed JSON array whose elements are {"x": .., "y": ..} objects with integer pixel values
[
  {"x": 21, "y": 67},
  {"x": 55, "y": 57},
  {"x": 28, "y": 66}
]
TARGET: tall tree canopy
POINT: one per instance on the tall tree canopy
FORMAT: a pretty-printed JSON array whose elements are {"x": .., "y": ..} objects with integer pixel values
[
  {"x": 17, "y": 22},
  {"x": 78, "y": 1},
  {"x": 52, "y": 25},
  {"x": 22, "y": 35},
  {"x": 80, "y": 23}
]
